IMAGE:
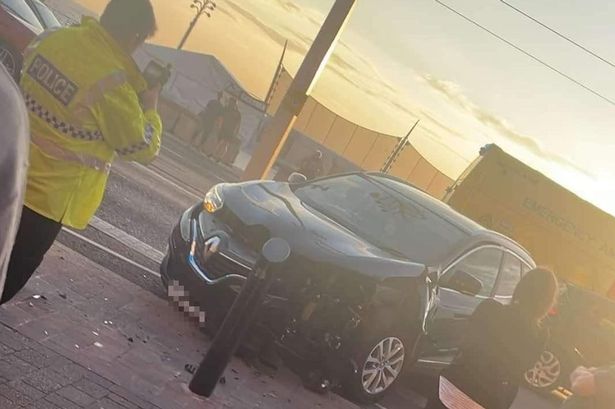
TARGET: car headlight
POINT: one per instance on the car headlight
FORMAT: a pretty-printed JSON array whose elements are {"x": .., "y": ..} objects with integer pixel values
[{"x": 213, "y": 200}]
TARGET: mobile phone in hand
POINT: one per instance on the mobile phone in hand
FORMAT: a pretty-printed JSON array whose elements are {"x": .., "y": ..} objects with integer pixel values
[{"x": 155, "y": 74}]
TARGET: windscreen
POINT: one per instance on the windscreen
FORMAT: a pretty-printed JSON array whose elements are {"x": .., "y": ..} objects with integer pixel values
[{"x": 383, "y": 217}]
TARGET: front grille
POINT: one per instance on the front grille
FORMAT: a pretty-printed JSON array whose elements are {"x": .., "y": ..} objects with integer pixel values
[{"x": 218, "y": 265}]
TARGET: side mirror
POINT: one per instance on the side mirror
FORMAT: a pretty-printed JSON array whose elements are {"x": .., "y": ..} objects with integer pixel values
[
  {"x": 465, "y": 283},
  {"x": 296, "y": 178}
]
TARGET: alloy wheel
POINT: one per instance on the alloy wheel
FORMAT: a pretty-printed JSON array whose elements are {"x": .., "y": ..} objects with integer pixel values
[
  {"x": 545, "y": 372},
  {"x": 383, "y": 365}
]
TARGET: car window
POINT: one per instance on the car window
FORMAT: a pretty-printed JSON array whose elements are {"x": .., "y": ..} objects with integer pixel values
[
  {"x": 510, "y": 275},
  {"x": 383, "y": 217},
  {"x": 49, "y": 19},
  {"x": 483, "y": 264},
  {"x": 21, "y": 9}
]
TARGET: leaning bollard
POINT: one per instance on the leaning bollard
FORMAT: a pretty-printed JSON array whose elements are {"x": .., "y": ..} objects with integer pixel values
[{"x": 239, "y": 318}]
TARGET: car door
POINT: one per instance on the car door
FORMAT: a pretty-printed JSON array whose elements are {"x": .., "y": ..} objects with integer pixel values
[
  {"x": 509, "y": 277},
  {"x": 445, "y": 331}
]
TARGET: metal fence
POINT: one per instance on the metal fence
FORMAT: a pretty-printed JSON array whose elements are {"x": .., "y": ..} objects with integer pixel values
[{"x": 366, "y": 148}]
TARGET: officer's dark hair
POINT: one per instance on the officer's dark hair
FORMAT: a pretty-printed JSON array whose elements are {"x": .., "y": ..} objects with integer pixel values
[
  {"x": 125, "y": 19},
  {"x": 536, "y": 293}
]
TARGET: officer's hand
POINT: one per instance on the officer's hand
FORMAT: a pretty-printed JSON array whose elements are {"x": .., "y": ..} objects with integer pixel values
[
  {"x": 584, "y": 385},
  {"x": 149, "y": 98}
]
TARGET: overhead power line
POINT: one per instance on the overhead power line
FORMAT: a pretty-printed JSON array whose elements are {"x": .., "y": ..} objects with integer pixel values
[
  {"x": 527, "y": 53},
  {"x": 560, "y": 35}
]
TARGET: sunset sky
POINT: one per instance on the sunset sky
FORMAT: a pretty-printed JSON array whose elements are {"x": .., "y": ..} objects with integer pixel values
[{"x": 400, "y": 60}]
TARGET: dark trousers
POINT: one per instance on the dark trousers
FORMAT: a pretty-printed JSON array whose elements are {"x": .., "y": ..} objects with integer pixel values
[
  {"x": 434, "y": 397},
  {"x": 202, "y": 134},
  {"x": 34, "y": 238},
  {"x": 434, "y": 403}
]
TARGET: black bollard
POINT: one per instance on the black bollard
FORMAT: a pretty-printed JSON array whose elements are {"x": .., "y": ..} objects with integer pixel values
[{"x": 239, "y": 318}]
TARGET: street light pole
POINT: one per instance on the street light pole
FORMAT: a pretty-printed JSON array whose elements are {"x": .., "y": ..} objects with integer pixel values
[{"x": 202, "y": 7}]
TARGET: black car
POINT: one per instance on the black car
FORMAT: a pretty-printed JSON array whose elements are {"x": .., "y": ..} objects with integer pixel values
[{"x": 381, "y": 275}]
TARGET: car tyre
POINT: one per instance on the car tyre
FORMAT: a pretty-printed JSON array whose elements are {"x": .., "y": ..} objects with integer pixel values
[
  {"x": 379, "y": 363},
  {"x": 11, "y": 60}
]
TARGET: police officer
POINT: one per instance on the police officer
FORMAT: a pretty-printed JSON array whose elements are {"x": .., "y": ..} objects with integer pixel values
[{"x": 88, "y": 103}]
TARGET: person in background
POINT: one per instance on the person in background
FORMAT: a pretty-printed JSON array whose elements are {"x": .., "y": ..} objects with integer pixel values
[
  {"x": 210, "y": 120},
  {"x": 14, "y": 140},
  {"x": 593, "y": 388},
  {"x": 229, "y": 130},
  {"x": 88, "y": 102},
  {"x": 312, "y": 166},
  {"x": 501, "y": 343}
]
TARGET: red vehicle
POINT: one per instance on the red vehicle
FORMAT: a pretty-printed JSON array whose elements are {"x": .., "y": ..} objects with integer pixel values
[{"x": 20, "y": 22}]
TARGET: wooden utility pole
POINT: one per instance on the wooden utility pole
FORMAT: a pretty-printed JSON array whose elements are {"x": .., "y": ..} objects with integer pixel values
[
  {"x": 274, "y": 135},
  {"x": 202, "y": 7}
]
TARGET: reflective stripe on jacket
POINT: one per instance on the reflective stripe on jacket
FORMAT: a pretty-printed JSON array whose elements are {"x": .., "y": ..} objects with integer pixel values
[
  {"x": 81, "y": 90},
  {"x": 453, "y": 398}
]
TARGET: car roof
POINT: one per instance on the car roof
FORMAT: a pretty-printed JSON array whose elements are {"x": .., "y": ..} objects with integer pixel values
[{"x": 479, "y": 234}]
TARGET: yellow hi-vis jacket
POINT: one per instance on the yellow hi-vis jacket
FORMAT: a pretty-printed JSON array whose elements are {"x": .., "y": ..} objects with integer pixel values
[{"x": 81, "y": 90}]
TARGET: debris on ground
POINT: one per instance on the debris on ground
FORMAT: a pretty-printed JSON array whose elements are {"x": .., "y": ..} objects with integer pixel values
[
  {"x": 131, "y": 339},
  {"x": 222, "y": 380},
  {"x": 63, "y": 296},
  {"x": 191, "y": 369}
]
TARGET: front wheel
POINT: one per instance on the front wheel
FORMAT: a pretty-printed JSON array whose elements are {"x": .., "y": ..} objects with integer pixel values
[{"x": 379, "y": 365}]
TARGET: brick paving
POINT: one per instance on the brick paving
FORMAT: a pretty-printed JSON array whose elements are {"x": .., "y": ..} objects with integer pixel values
[{"x": 79, "y": 336}]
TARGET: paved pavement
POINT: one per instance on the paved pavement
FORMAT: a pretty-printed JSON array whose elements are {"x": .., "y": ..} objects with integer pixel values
[{"x": 80, "y": 336}]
